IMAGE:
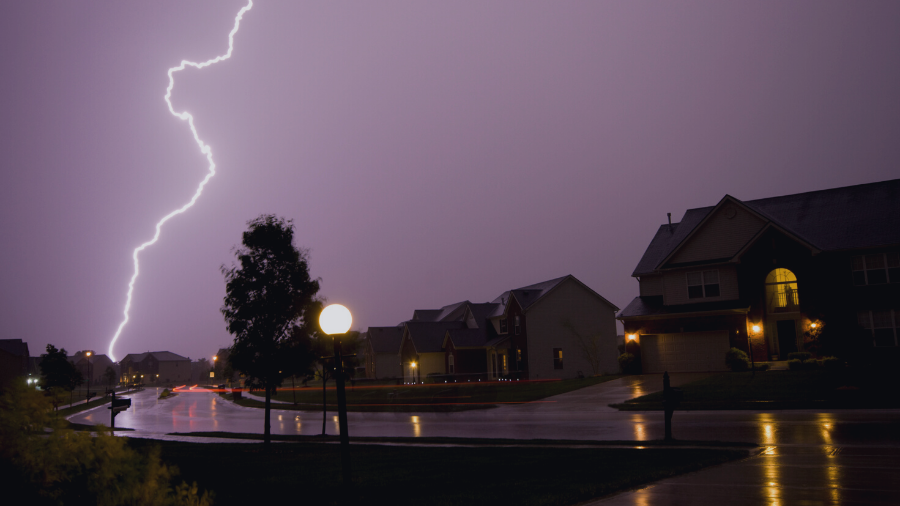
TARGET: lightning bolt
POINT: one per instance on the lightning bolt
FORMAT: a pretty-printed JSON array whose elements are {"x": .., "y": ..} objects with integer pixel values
[{"x": 204, "y": 148}]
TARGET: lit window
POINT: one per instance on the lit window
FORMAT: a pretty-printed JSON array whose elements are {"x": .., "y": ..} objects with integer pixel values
[
  {"x": 703, "y": 284},
  {"x": 505, "y": 364},
  {"x": 518, "y": 355},
  {"x": 557, "y": 358},
  {"x": 781, "y": 291}
]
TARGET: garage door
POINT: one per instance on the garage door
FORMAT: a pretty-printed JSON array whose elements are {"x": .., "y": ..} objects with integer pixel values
[{"x": 684, "y": 352}]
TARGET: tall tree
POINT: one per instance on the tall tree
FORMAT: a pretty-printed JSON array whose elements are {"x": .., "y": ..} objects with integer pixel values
[
  {"x": 57, "y": 373},
  {"x": 109, "y": 376},
  {"x": 267, "y": 298}
]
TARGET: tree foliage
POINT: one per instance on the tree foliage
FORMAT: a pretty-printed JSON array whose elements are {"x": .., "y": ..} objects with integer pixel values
[
  {"x": 270, "y": 306},
  {"x": 65, "y": 467},
  {"x": 58, "y": 372},
  {"x": 109, "y": 376}
]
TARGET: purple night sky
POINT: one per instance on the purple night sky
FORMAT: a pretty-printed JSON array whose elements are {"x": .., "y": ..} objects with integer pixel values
[{"x": 428, "y": 152}]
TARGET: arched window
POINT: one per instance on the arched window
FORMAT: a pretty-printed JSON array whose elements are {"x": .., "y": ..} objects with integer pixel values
[{"x": 781, "y": 291}]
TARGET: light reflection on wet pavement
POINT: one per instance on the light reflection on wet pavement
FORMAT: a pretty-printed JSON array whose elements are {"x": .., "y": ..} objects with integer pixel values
[{"x": 834, "y": 457}]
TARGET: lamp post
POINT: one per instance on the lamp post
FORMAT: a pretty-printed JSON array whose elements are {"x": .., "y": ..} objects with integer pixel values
[
  {"x": 335, "y": 321},
  {"x": 88, "y": 395}
]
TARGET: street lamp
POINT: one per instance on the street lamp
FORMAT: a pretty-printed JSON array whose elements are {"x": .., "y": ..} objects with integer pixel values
[
  {"x": 90, "y": 373},
  {"x": 335, "y": 321}
]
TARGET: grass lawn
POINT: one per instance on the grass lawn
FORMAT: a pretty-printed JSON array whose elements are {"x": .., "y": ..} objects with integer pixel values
[
  {"x": 443, "y": 397},
  {"x": 306, "y": 473},
  {"x": 781, "y": 390},
  {"x": 64, "y": 412}
]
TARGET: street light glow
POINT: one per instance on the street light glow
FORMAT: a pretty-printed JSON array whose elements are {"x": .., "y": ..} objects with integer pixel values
[{"x": 335, "y": 319}]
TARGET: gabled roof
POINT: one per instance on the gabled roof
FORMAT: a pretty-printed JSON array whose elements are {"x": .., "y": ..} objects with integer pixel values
[
  {"x": 528, "y": 296},
  {"x": 467, "y": 338},
  {"x": 162, "y": 356},
  {"x": 428, "y": 337},
  {"x": 425, "y": 315},
  {"x": 385, "y": 339},
  {"x": 851, "y": 217}
]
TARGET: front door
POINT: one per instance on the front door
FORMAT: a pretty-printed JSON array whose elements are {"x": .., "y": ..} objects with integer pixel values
[{"x": 787, "y": 338}]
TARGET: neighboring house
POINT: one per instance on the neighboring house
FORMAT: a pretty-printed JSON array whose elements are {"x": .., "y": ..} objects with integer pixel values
[
  {"x": 14, "y": 362},
  {"x": 93, "y": 366},
  {"x": 556, "y": 329},
  {"x": 382, "y": 352},
  {"x": 156, "y": 367},
  {"x": 773, "y": 272}
]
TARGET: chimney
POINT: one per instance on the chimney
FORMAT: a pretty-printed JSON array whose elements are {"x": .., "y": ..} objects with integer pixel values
[{"x": 670, "y": 221}]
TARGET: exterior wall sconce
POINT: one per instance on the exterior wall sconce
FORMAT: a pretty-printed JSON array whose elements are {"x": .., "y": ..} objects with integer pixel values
[
  {"x": 632, "y": 337},
  {"x": 756, "y": 329}
]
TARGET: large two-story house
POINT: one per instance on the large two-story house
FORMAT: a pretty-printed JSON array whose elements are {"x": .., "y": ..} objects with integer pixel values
[{"x": 771, "y": 275}]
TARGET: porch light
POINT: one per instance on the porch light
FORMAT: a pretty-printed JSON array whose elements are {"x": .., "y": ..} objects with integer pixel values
[
  {"x": 756, "y": 329},
  {"x": 632, "y": 337},
  {"x": 813, "y": 325}
]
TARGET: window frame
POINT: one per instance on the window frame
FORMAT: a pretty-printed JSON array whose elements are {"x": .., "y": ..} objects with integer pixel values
[
  {"x": 517, "y": 326},
  {"x": 886, "y": 258},
  {"x": 703, "y": 284},
  {"x": 557, "y": 358},
  {"x": 869, "y": 325},
  {"x": 504, "y": 326}
]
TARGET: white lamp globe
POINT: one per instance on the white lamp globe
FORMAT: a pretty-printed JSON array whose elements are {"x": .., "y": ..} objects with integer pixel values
[{"x": 335, "y": 319}]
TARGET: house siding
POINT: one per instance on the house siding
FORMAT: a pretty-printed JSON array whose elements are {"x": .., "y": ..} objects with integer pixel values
[
  {"x": 431, "y": 363},
  {"x": 651, "y": 286},
  {"x": 387, "y": 365},
  {"x": 676, "y": 288},
  {"x": 720, "y": 236},
  {"x": 572, "y": 303}
]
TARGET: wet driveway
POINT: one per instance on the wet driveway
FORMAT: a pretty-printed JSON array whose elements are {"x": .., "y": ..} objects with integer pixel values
[{"x": 829, "y": 457}]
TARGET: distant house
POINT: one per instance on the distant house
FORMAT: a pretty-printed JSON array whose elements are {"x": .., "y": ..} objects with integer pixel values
[
  {"x": 94, "y": 366},
  {"x": 769, "y": 275},
  {"x": 382, "y": 352},
  {"x": 14, "y": 361},
  {"x": 555, "y": 329},
  {"x": 156, "y": 367}
]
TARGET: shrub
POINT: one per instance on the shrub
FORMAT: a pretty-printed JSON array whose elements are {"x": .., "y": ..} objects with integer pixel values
[
  {"x": 626, "y": 362},
  {"x": 65, "y": 467},
  {"x": 795, "y": 364},
  {"x": 737, "y": 360},
  {"x": 810, "y": 364},
  {"x": 762, "y": 367},
  {"x": 164, "y": 393},
  {"x": 832, "y": 363},
  {"x": 799, "y": 355}
]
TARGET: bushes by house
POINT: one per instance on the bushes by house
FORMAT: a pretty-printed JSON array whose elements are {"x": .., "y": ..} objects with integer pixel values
[{"x": 737, "y": 360}]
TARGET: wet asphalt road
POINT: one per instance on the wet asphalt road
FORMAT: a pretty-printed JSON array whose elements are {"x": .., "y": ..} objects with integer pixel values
[{"x": 807, "y": 457}]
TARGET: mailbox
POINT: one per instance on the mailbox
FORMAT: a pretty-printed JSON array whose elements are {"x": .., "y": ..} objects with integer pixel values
[{"x": 120, "y": 404}]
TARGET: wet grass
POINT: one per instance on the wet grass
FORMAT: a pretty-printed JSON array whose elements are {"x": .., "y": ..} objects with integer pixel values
[
  {"x": 442, "y": 397},
  {"x": 310, "y": 473},
  {"x": 816, "y": 389}
]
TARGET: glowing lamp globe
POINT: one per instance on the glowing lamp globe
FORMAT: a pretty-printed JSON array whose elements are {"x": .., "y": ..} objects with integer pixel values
[{"x": 335, "y": 319}]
